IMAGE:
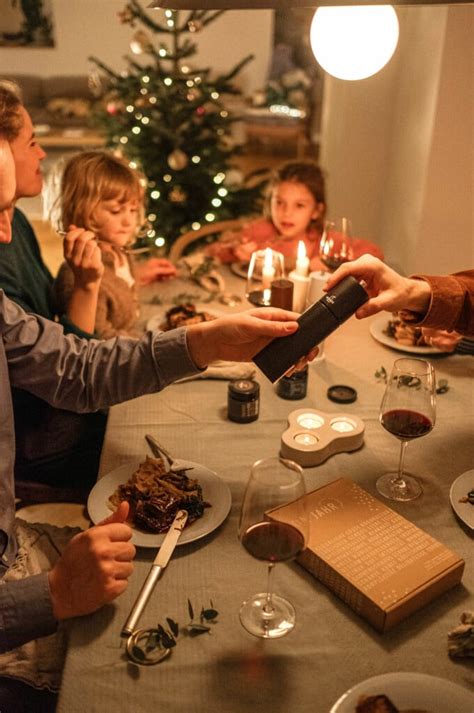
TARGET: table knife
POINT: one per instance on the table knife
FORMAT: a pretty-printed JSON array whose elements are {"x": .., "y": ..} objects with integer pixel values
[{"x": 160, "y": 562}]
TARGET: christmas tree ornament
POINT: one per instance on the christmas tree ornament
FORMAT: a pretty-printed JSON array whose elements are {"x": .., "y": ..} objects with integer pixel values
[
  {"x": 177, "y": 160},
  {"x": 140, "y": 42},
  {"x": 194, "y": 25},
  {"x": 177, "y": 195}
]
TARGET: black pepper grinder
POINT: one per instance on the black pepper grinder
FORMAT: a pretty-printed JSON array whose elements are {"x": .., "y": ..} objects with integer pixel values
[{"x": 292, "y": 387}]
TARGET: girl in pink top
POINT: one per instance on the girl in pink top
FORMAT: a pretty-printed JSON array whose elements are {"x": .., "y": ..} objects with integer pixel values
[{"x": 295, "y": 209}]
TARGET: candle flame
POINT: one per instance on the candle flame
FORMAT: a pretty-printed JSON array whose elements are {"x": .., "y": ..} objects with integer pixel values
[{"x": 301, "y": 249}]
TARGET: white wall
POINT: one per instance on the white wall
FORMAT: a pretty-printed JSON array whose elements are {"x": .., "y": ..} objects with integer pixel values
[
  {"x": 398, "y": 147},
  {"x": 91, "y": 27}
]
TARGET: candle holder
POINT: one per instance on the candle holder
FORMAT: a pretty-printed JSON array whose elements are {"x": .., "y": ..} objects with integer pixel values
[
  {"x": 313, "y": 436},
  {"x": 265, "y": 266}
]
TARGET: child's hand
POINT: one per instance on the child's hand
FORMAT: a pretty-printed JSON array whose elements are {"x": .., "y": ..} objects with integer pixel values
[
  {"x": 83, "y": 256},
  {"x": 154, "y": 269}
]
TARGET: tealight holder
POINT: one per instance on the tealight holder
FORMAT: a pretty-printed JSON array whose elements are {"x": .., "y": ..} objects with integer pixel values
[
  {"x": 265, "y": 266},
  {"x": 313, "y": 436}
]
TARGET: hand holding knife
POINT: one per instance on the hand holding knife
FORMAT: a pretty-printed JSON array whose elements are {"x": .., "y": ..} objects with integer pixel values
[{"x": 160, "y": 562}]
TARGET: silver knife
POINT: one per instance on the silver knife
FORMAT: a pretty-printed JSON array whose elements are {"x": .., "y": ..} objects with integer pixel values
[{"x": 160, "y": 562}]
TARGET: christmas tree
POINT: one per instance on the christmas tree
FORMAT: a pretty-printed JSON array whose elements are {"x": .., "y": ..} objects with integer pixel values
[{"x": 170, "y": 120}]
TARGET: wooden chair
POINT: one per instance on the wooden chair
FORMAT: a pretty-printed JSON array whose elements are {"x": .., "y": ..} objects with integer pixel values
[{"x": 178, "y": 247}]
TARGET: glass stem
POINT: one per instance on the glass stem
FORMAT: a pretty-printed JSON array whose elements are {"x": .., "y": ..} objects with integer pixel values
[
  {"x": 399, "y": 480},
  {"x": 268, "y": 607}
]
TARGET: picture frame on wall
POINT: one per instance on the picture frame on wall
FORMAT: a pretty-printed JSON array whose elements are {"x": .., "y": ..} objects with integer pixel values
[{"x": 26, "y": 23}]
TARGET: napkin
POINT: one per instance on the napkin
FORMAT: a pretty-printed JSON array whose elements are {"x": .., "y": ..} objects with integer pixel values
[
  {"x": 461, "y": 639},
  {"x": 225, "y": 370}
]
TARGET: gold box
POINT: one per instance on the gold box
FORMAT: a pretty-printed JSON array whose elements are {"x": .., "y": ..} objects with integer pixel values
[{"x": 378, "y": 562}]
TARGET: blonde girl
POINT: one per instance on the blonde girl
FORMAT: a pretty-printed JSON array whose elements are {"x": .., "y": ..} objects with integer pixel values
[{"x": 102, "y": 194}]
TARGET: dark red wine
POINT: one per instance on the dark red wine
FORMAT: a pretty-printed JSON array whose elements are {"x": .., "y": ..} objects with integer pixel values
[
  {"x": 406, "y": 424},
  {"x": 273, "y": 541}
]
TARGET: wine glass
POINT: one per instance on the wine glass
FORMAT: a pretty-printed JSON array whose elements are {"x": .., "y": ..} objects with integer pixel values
[
  {"x": 408, "y": 411},
  {"x": 265, "y": 266},
  {"x": 273, "y": 482},
  {"x": 335, "y": 244}
]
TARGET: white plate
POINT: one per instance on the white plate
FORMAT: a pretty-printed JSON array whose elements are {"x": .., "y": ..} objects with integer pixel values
[
  {"x": 159, "y": 318},
  {"x": 410, "y": 691},
  {"x": 459, "y": 489},
  {"x": 214, "y": 490},
  {"x": 377, "y": 329}
]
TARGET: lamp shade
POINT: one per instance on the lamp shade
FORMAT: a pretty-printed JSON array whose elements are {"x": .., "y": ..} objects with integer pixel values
[{"x": 354, "y": 42}]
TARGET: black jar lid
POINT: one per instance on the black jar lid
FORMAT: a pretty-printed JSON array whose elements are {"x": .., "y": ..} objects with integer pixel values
[
  {"x": 342, "y": 394},
  {"x": 244, "y": 389}
]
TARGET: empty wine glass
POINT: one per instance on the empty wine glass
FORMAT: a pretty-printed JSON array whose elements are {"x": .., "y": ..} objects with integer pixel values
[
  {"x": 265, "y": 266},
  {"x": 273, "y": 482},
  {"x": 335, "y": 244},
  {"x": 408, "y": 411}
]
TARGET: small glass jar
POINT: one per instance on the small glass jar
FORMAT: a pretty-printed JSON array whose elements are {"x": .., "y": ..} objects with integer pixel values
[
  {"x": 243, "y": 400},
  {"x": 293, "y": 387}
]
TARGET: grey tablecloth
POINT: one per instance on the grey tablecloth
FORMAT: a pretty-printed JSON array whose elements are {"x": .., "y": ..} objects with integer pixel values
[{"x": 331, "y": 648}]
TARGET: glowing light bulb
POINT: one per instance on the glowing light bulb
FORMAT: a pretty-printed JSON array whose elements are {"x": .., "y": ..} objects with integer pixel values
[
  {"x": 136, "y": 130},
  {"x": 354, "y": 42},
  {"x": 216, "y": 202},
  {"x": 222, "y": 192},
  {"x": 155, "y": 195},
  {"x": 162, "y": 52},
  {"x": 130, "y": 108},
  {"x": 168, "y": 81},
  {"x": 151, "y": 217},
  {"x": 196, "y": 226},
  {"x": 145, "y": 79},
  {"x": 210, "y": 217},
  {"x": 124, "y": 139},
  {"x": 196, "y": 159},
  {"x": 159, "y": 242}
]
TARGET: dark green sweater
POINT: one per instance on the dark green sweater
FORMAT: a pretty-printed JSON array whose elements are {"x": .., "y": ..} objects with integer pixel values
[{"x": 25, "y": 278}]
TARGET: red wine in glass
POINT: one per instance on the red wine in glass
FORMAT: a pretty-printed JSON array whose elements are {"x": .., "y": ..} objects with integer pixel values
[
  {"x": 273, "y": 483},
  {"x": 407, "y": 411},
  {"x": 273, "y": 541},
  {"x": 406, "y": 424}
]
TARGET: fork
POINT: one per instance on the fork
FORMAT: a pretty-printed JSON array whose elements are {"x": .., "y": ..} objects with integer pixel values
[
  {"x": 175, "y": 465},
  {"x": 123, "y": 249}
]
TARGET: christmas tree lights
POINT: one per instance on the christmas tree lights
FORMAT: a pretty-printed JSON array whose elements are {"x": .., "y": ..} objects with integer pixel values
[{"x": 169, "y": 118}]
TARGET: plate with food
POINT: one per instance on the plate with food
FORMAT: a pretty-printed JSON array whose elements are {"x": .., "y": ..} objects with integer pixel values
[
  {"x": 405, "y": 692},
  {"x": 155, "y": 496},
  {"x": 182, "y": 315},
  {"x": 392, "y": 332},
  {"x": 461, "y": 495},
  {"x": 241, "y": 269}
]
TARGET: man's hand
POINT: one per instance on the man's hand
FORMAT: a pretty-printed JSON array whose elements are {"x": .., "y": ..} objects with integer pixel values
[
  {"x": 387, "y": 289},
  {"x": 441, "y": 339},
  {"x": 94, "y": 568},
  {"x": 238, "y": 337},
  {"x": 83, "y": 256}
]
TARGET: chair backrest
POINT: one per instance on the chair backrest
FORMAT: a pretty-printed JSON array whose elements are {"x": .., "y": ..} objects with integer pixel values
[{"x": 186, "y": 239}]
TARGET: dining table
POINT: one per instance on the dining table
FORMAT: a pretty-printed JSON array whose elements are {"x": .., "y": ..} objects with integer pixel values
[{"x": 331, "y": 648}]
